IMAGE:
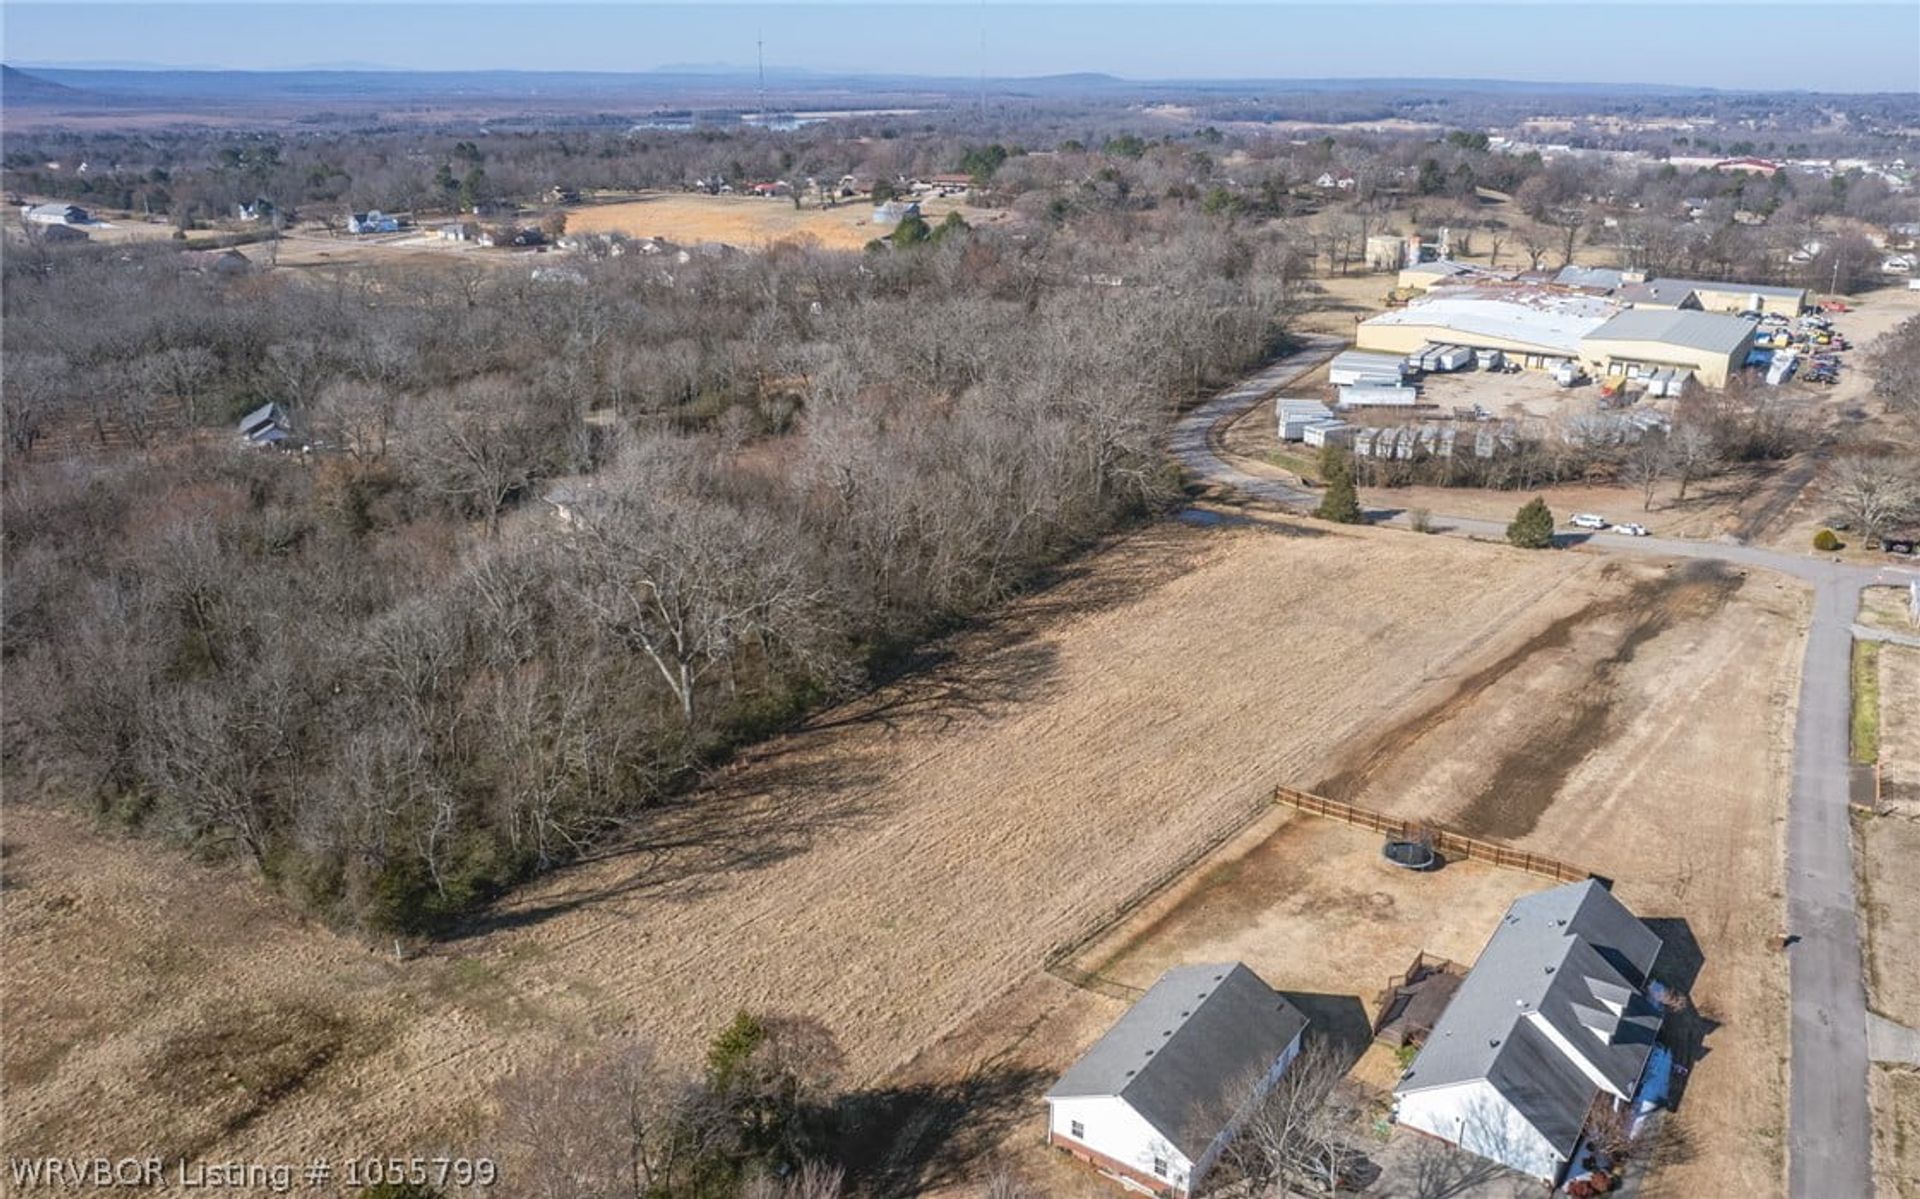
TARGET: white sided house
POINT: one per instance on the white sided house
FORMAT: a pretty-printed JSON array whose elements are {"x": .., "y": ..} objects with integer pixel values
[
  {"x": 1156, "y": 1099},
  {"x": 1552, "y": 1019}
]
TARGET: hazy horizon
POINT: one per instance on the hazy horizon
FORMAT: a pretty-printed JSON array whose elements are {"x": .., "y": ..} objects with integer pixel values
[{"x": 1862, "y": 47}]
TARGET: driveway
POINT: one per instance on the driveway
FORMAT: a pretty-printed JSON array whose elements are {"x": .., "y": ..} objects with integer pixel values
[{"x": 1829, "y": 1133}]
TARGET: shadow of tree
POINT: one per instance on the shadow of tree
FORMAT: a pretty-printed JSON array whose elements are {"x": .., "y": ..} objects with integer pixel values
[
  {"x": 1687, "y": 1028},
  {"x": 912, "y": 1138},
  {"x": 1431, "y": 1170}
]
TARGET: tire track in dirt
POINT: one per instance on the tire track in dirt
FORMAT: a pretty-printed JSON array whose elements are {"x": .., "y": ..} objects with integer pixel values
[{"x": 1528, "y": 776}]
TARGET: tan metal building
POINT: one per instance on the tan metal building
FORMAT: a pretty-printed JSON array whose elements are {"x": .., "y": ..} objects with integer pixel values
[
  {"x": 1711, "y": 345},
  {"x": 1710, "y": 296}
]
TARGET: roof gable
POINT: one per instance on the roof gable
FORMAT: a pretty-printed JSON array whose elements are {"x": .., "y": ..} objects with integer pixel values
[
  {"x": 1551, "y": 1011},
  {"x": 1186, "y": 1053}
]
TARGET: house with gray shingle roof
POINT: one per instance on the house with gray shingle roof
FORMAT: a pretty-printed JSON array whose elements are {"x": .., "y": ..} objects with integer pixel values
[
  {"x": 1553, "y": 1017},
  {"x": 1155, "y": 1101}
]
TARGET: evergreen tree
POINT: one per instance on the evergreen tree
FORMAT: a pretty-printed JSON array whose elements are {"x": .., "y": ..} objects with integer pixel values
[
  {"x": 1341, "y": 503},
  {"x": 1532, "y": 527}
]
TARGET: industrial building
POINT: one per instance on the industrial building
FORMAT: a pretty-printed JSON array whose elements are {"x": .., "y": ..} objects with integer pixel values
[
  {"x": 1641, "y": 340},
  {"x": 1709, "y": 296},
  {"x": 1545, "y": 326},
  {"x": 1535, "y": 325}
]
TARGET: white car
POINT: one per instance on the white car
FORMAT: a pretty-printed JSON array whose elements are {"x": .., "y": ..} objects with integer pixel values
[
  {"x": 1587, "y": 520},
  {"x": 1631, "y": 529}
]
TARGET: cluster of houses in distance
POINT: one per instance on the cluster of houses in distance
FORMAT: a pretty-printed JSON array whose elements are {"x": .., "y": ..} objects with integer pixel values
[{"x": 1550, "y": 1040}]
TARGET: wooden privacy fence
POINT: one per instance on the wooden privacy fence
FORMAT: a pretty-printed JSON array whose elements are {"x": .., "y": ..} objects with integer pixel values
[{"x": 1445, "y": 842}]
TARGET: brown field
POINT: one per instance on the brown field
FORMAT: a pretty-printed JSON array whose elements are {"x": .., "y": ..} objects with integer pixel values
[
  {"x": 751, "y": 221},
  {"x": 1638, "y": 695},
  {"x": 903, "y": 868},
  {"x": 892, "y": 870}
]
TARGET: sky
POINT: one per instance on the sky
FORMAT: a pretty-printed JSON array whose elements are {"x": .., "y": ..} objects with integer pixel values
[{"x": 1762, "y": 44}]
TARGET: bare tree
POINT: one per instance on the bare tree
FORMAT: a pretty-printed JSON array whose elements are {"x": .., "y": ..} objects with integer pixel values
[
  {"x": 1302, "y": 1131},
  {"x": 1875, "y": 494},
  {"x": 1692, "y": 451},
  {"x": 1647, "y": 462}
]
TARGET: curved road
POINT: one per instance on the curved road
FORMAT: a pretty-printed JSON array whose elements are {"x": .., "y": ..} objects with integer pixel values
[{"x": 1829, "y": 1148}]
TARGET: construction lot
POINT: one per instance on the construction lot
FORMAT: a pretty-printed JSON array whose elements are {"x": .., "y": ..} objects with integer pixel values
[
  {"x": 690, "y": 218},
  {"x": 904, "y": 868}
]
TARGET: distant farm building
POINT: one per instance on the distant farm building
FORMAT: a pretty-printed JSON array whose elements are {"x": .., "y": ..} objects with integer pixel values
[
  {"x": 1156, "y": 1100},
  {"x": 56, "y": 214}
]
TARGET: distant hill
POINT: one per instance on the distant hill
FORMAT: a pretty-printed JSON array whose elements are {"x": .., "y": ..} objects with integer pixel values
[{"x": 19, "y": 88}]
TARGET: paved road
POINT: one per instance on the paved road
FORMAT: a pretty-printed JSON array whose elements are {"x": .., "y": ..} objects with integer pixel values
[{"x": 1829, "y": 1148}]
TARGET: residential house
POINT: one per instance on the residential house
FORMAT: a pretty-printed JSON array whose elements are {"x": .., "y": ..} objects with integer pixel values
[
  {"x": 895, "y": 211},
  {"x": 1156, "y": 1100},
  {"x": 372, "y": 221},
  {"x": 56, "y": 214},
  {"x": 1553, "y": 1023},
  {"x": 1340, "y": 180},
  {"x": 267, "y": 426}
]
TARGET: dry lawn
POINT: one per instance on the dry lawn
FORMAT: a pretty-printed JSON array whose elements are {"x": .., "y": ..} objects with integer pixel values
[
  {"x": 1896, "y": 1132},
  {"x": 751, "y": 221},
  {"x": 1900, "y": 731},
  {"x": 893, "y": 870},
  {"x": 1887, "y": 608},
  {"x": 1887, "y": 847}
]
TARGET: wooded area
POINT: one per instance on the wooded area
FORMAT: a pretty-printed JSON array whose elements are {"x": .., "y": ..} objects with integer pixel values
[{"x": 394, "y": 677}]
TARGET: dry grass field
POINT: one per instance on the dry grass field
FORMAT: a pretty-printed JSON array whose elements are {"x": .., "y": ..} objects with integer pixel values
[
  {"x": 902, "y": 868},
  {"x": 687, "y": 218},
  {"x": 891, "y": 870},
  {"x": 1637, "y": 702}
]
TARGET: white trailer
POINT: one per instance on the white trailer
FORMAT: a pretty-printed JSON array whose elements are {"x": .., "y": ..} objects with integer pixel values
[
  {"x": 1328, "y": 432},
  {"x": 1453, "y": 358},
  {"x": 1489, "y": 360},
  {"x": 1351, "y": 366},
  {"x": 1361, "y": 396},
  {"x": 1292, "y": 416}
]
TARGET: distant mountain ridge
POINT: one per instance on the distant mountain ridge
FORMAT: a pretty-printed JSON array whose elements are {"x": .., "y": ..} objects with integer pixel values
[
  {"x": 21, "y": 87},
  {"x": 377, "y": 82}
]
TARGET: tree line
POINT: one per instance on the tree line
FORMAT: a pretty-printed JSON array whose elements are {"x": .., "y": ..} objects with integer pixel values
[{"x": 559, "y": 544}]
